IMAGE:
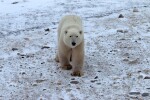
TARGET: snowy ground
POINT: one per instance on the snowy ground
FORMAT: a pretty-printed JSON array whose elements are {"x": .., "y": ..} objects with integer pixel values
[{"x": 117, "y": 59}]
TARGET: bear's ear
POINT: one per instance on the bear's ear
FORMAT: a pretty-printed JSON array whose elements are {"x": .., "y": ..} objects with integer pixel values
[
  {"x": 80, "y": 32},
  {"x": 66, "y": 32}
]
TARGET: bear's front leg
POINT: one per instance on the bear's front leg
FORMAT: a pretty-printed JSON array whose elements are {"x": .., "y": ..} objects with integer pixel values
[
  {"x": 77, "y": 61},
  {"x": 64, "y": 61}
]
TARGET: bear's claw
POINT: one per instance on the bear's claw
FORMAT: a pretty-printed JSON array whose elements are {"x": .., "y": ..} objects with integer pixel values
[
  {"x": 76, "y": 73},
  {"x": 67, "y": 67}
]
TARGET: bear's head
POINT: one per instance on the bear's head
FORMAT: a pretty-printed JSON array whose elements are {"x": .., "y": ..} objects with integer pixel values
[{"x": 73, "y": 37}]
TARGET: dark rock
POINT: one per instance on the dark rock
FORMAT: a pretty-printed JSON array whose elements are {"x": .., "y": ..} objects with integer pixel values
[
  {"x": 96, "y": 77},
  {"x": 147, "y": 77},
  {"x": 14, "y": 49},
  {"x": 145, "y": 94},
  {"x": 121, "y": 31},
  {"x": 120, "y": 16},
  {"x": 74, "y": 82},
  {"x": 72, "y": 78},
  {"x": 47, "y": 29},
  {"x": 45, "y": 47},
  {"x": 93, "y": 81},
  {"x": 39, "y": 81},
  {"x": 14, "y": 2},
  {"x": 134, "y": 93},
  {"x": 23, "y": 73}
]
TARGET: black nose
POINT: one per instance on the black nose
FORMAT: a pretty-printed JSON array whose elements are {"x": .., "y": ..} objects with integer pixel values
[{"x": 73, "y": 43}]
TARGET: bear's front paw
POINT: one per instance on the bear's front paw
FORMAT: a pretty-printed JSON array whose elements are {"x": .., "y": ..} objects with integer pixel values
[
  {"x": 77, "y": 73},
  {"x": 67, "y": 67}
]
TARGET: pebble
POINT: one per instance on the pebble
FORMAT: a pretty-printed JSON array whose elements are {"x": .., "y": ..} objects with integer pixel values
[
  {"x": 145, "y": 94},
  {"x": 121, "y": 31},
  {"x": 96, "y": 77},
  {"x": 14, "y": 49},
  {"x": 134, "y": 93},
  {"x": 135, "y": 9},
  {"x": 120, "y": 16},
  {"x": 74, "y": 82},
  {"x": 14, "y": 2},
  {"x": 147, "y": 77},
  {"x": 47, "y": 29}
]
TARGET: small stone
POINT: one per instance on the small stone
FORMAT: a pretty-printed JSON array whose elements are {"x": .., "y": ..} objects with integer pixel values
[
  {"x": 125, "y": 59},
  {"x": 23, "y": 73},
  {"x": 14, "y": 49},
  {"x": 120, "y": 16},
  {"x": 98, "y": 83},
  {"x": 135, "y": 9},
  {"x": 34, "y": 84},
  {"x": 74, "y": 82},
  {"x": 140, "y": 77},
  {"x": 44, "y": 89},
  {"x": 121, "y": 31},
  {"x": 39, "y": 81},
  {"x": 134, "y": 93},
  {"x": 134, "y": 61},
  {"x": 47, "y": 29},
  {"x": 14, "y": 2},
  {"x": 96, "y": 77},
  {"x": 59, "y": 83},
  {"x": 68, "y": 90},
  {"x": 45, "y": 47},
  {"x": 93, "y": 81},
  {"x": 145, "y": 94},
  {"x": 147, "y": 77},
  {"x": 72, "y": 78}
]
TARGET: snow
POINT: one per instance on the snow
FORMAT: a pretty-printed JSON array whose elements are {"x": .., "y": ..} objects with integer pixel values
[{"x": 117, "y": 50}]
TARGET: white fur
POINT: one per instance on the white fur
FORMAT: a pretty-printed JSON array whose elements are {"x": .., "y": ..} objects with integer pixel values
[{"x": 71, "y": 43}]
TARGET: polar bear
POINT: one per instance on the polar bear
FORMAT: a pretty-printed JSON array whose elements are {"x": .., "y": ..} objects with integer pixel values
[{"x": 71, "y": 44}]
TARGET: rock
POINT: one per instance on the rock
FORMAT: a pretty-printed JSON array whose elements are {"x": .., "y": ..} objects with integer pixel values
[
  {"x": 121, "y": 31},
  {"x": 120, "y": 16},
  {"x": 68, "y": 90},
  {"x": 34, "y": 84},
  {"x": 45, "y": 47},
  {"x": 74, "y": 82},
  {"x": 39, "y": 81},
  {"x": 134, "y": 61},
  {"x": 14, "y": 49},
  {"x": 147, "y": 77},
  {"x": 93, "y": 81},
  {"x": 59, "y": 83},
  {"x": 47, "y": 29},
  {"x": 145, "y": 94},
  {"x": 96, "y": 77},
  {"x": 14, "y": 2},
  {"x": 135, "y": 9},
  {"x": 134, "y": 93},
  {"x": 72, "y": 78}
]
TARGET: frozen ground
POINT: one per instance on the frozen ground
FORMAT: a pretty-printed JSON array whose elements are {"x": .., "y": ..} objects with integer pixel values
[{"x": 117, "y": 59}]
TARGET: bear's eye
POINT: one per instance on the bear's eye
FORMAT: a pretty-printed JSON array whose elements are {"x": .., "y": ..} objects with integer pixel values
[
  {"x": 70, "y": 36},
  {"x": 66, "y": 32},
  {"x": 80, "y": 32},
  {"x": 76, "y": 36}
]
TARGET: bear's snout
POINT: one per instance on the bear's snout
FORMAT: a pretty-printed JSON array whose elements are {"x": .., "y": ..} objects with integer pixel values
[{"x": 73, "y": 43}]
